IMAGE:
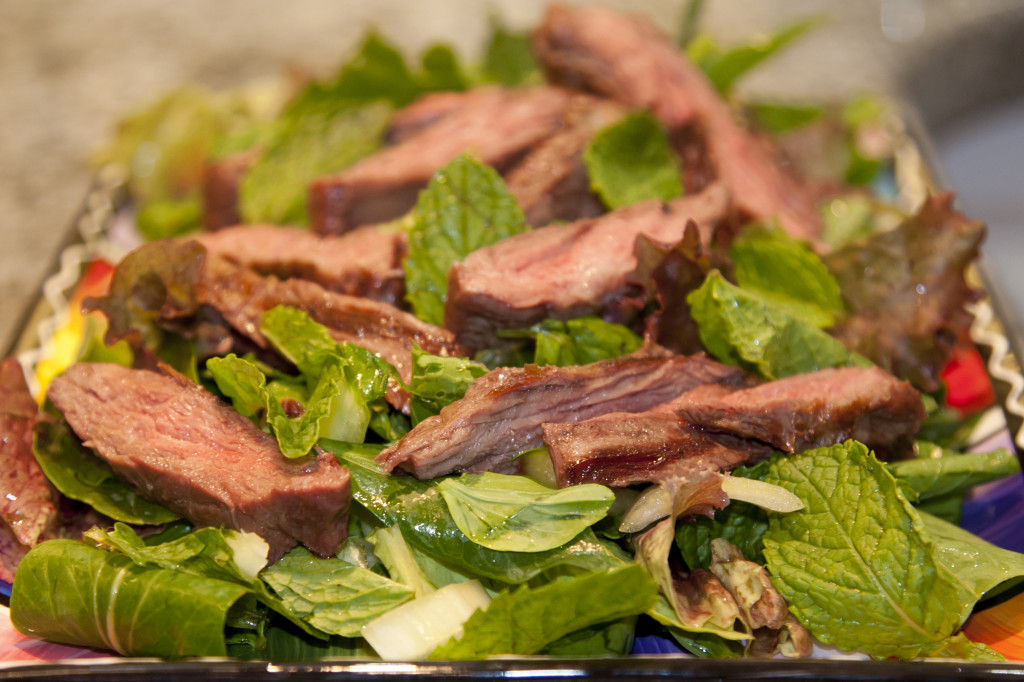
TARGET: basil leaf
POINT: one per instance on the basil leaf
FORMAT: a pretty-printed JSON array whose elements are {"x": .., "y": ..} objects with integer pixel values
[
  {"x": 333, "y": 595},
  {"x": 418, "y": 509},
  {"x": 71, "y": 593},
  {"x": 465, "y": 206},
  {"x": 81, "y": 475},
  {"x": 979, "y": 569},
  {"x": 632, "y": 161},
  {"x": 524, "y": 621},
  {"x": 517, "y": 514}
]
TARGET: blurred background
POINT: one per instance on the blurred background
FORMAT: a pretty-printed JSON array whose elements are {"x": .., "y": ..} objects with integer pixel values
[{"x": 70, "y": 68}]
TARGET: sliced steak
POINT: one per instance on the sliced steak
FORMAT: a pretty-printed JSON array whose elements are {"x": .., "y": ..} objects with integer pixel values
[
  {"x": 816, "y": 409},
  {"x": 502, "y": 412},
  {"x": 423, "y": 113},
  {"x": 620, "y": 449},
  {"x": 221, "y": 180},
  {"x": 365, "y": 262},
  {"x": 27, "y": 502},
  {"x": 626, "y": 58},
  {"x": 179, "y": 446},
  {"x": 551, "y": 183},
  {"x": 242, "y": 296},
  {"x": 564, "y": 271},
  {"x": 498, "y": 126}
]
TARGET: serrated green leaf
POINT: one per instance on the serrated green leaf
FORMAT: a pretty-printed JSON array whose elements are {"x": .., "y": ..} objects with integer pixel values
[
  {"x": 439, "y": 381},
  {"x": 632, "y": 161}
]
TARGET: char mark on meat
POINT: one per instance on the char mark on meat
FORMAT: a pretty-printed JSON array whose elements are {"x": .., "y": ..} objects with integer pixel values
[
  {"x": 180, "y": 447},
  {"x": 626, "y": 58},
  {"x": 502, "y": 412},
  {"x": 621, "y": 449},
  {"x": 816, "y": 409},
  {"x": 221, "y": 180},
  {"x": 498, "y": 126},
  {"x": 366, "y": 262},
  {"x": 27, "y": 502},
  {"x": 242, "y": 296},
  {"x": 564, "y": 271},
  {"x": 552, "y": 183}
]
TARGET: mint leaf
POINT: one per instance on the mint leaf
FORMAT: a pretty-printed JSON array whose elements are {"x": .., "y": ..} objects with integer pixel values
[
  {"x": 581, "y": 341},
  {"x": 333, "y": 595},
  {"x": 632, "y": 161},
  {"x": 465, "y": 206},
  {"x": 788, "y": 274},
  {"x": 439, "y": 381},
  {"x": 725, "y": 67},
  {"x": 377, "y": 72},
  {"x": 517, "y": 514},
  {"x": 508, "y": 59},
  {"x": 782, "y": 118},
  {"x": 441, "y": 70},
  {"x": 744, "y": 328},
  {"x": 856, "y": 564},
  {"x": 944, "y": 471},
  {"x": 526, "y": 620}
]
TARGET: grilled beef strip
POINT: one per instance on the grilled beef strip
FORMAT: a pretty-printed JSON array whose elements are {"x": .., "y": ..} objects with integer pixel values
[
  {"x": 497, "y": 125},
  {"x": 502, "y": 412},
  {"x": 221, "y": 180},
  {"x": 180, "y": 447},
  {"x": 564, "y": 271},
  {"x": 626, "y": 58},
  {"x": 366, "y": 262},
  {"x": 242, "y": 296},
  {"x": 621, "y": 449},
  {"x": 816, "y": 409},
  {"x": 28, "y": 504},
  {"x": 552, "y": 184},
  {"x": 423, "y": 113}
]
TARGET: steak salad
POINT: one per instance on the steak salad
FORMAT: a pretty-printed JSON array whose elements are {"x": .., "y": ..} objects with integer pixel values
[{"x": 523, "y": 359}]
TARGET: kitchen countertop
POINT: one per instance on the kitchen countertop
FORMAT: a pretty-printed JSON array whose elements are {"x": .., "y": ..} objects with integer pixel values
[{"x": 70, "y": 68}]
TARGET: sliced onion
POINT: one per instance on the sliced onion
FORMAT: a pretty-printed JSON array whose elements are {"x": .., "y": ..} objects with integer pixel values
[
  {"x": 765, "y": 495},
  {"x": 654, "y": 504},
  {"x": 249, "y": 551},
  {"x": 411, "y": 631}
]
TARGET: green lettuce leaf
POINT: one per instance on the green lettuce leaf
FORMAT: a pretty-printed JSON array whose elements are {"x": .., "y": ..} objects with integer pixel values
[
  {"x": 741, "y": 327},
  {"x": 517, "y": 514},
  {"x": 779, "y": 118},
  {"x": 418, "y": 509},
  {"x": 581, "y": 341},
  {"x": 333, "y": 595},
  {"x": 607, "y": 639},
  {"x": 318, "y": 142},
  {"x": 524, "y": 621},
  {"x": 725, "y": 67},
  {"x": 940, "y": 472},
  {"x": 465, "y": 206},
  {"x": 978, "y": 568},
  {"x": 81, "y": 475},
  {"x": 72, "y": 593},
  {"x": 439, "y": 381},
  {"x": 632, "y": 161},
  {"x": 857, "y": 565}
]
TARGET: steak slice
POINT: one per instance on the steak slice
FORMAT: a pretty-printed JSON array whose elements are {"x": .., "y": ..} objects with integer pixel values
[
  {"x": 816, "y": 409},
  {"x": 365, "y": 262},
  {"x": 242, "y": 296},
  {"x": 221, "y": 180},
  {"x": 498, "y": 126},
  {"x": 626, "y": 58},
  {"x": 621, "y": 449},
  {"x": 28, "y": 505},
  {"x": 564, "y": 271},
  {"x": 179, "y": 446},
  {"x": 552, "y": 183},
  {"x": 502, "y": 412},
  {"x": 423, "y": 113}
]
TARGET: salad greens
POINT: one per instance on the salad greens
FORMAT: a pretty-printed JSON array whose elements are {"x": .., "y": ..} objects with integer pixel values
[{"x": 863, "y": 565}]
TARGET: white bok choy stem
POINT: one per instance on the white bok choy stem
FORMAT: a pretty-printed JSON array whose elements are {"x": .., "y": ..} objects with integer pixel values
[{"x": 411, "y": 631}]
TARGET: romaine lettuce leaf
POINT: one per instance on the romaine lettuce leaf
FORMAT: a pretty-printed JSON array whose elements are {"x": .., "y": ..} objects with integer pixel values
[
  {"x": 857, "y": 565},
  {"x": 73, "y": 593},
  {"x": 332, "y": 595},
  {"x": 465, "y": 206},
  {"x": 525, "y": 620},
  {"x": 632, "y": 161},
  {"x": 419, "y": 510},
  {"x": 81, "y": 475},
  {"x": 517, "y": 514}
]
